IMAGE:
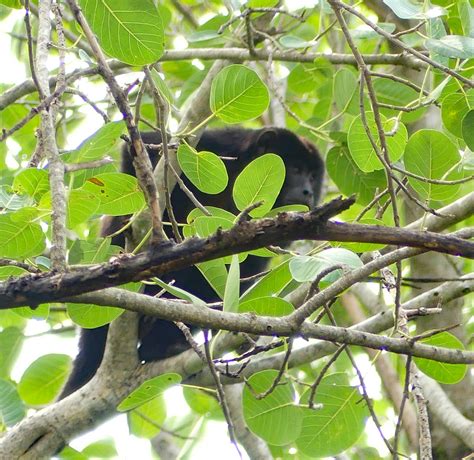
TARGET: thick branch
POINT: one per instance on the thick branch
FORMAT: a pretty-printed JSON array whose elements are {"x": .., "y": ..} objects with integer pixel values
[
  {"x": 234, "y": 54},
  {"x": 33, "y": 289}
]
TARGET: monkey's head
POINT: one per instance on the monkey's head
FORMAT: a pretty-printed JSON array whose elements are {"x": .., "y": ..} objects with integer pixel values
[{"x": 304, "y": 165}]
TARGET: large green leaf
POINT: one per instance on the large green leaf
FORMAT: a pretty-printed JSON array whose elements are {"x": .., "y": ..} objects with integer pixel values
[
  {"x": 81, "y": 206},
  {"x": 11, "y": 339},
  {"x": 13, "y": 201},
  {"x": 454, "y": 108},
  {"x": 274, "y": 418},
  {"x": 43, "y": 378},
  {"x": 468, "y": 129},
  {"x": 261, "y": 180},
  {"x": 232, "y": 287},
  {"x": 118, "y": 194},
  {"x": 238, "y": 94},
  {"x": 12, "y": 4},
  {"x": 360, "y": 146},
  {"x": 204, "y": 169},
  {"x": 410, "y": 9},
  {"x": 129, "y": 30},
  {"x": 146, "y": 421},
  {"x": 215, "y": 273},
  {"x": 442, "y": 372},
  {"x": 350, "y": 179},
  {"x": 452, "y": 46},
  {"x": 98, "y": 144},
  {"x": 307, "y": 268},
  {"x": 34, "y": 182},
  {"x": 271, "y": 284},
  {"x": 337, "y": 424},
  {"x": 267, "y": 306},
  {"x": 345, "y": 85},
  {"x": 431, "y": 154},
  {"x": 89, "y": 316},
  {"x": 20, "y": 239},
  {"x": 148, "y": 390},
  {"x": 12, "y": 409}
]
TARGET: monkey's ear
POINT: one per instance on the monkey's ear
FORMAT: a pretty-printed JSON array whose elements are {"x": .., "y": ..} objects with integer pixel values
[{"x": 266, "y": 140}]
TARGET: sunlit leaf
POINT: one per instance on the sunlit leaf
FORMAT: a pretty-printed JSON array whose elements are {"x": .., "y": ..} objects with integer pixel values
[
  {"x": 12, "y": 409},
  {"x": 261, "y": 180},
  {"x": 442, "y": 372},
  {"x": 149, "y": 390},
  {"x": 204, "y": 169},
  {"x": 274, "y": 418},
  {"x": 238, "y": 94},
  {"x": 129, "y": 30},
  {"x": 43, "y": 378}
]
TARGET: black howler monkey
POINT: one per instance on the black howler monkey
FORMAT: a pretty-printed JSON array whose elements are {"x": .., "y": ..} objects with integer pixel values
[{"x": 304, "y": 176}]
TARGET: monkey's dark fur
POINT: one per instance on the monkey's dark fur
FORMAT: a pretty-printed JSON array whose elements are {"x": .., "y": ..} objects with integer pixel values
[{"x": 304, "y": 176}]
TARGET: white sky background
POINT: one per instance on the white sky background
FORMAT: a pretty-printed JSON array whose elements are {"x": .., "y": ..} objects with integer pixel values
[{"x": 129, "y": 447}]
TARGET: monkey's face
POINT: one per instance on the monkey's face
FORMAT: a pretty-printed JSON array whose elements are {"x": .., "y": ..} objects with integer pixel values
[{"x": 300, "y": 187}]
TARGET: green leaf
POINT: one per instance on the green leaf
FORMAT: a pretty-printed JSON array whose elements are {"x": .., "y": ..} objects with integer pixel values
[
  {"x": 452, "y": 46},
  {"x": 398, "y": 94},
  {"x": 287, "y": 208},
  {"x": 43, "y": 378},
  {"x": 466, "y": 15},
  {"x": 412, "y": 9},
  {"x": 160, "y": 83},
  {"x": 361, "y": 148},
  {"x": 146, "y": 421},
  {"x": 216, "y": 212},
  {"x": 180, "y": 293},
  {"x": 129, "y": 30},
  {"x": 337, "y": 425},
  {"x": 294, "y": 42},
  {"x": 118, "y": 193},
  {"x": 261, "y": 180},
  {"x": 275, "y": 418},
  {"x": 468, "y": 129},
  {"x": 12, "y": 409},
  {"x": 442, "y": 372},
  {"x": 267, "y": 306},
  {"x": 105, "y": 448},
  {"x": 20, "y": 239},
  {"x": 34, "y": 182},
  {"x": 345, "y": 85},
  {"x": 215, "y": 273},
  {"x": 12, "y": 4},
  {"x": 81, "y": 206},
  {"x": 202, "y": 401},
  {"x": 204, "y": 169},
  {"x": 431, "y": 154},
  {"x": 11, "y": 340},
  {"x": 305, "y": 78},
  {"x": 91, "y": 316},
  {"x": 68, "y": 453},
  {"x": 207, "y": 225},
  {"x": 350, "y": 179},
  {"x": 232, "y": 287},
  {"x": 454, "y": 108},
  {"x": 271, "y": 284},
  {"x": 92, "y": 252},
  {"x": 364, "y": 32},
  {"x": 12, "y": 201},
  {"x": 307, "y": 268},
  {"x": 149, "y": 390},
  {"x": 98, "y": 144},
  {"x": 238, "y": 94}
]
